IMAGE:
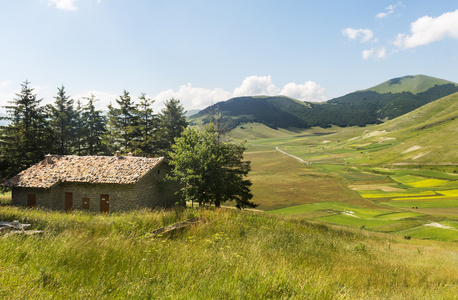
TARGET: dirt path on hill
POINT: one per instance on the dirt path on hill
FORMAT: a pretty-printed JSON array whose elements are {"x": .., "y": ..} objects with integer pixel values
[{"x": 299, "y": 159}]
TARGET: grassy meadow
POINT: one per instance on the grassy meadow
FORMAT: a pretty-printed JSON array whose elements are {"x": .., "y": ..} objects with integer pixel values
[{"x": 229, "y": 254}]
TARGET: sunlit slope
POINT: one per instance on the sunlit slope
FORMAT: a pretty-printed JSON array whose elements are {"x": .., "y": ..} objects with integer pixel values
[
  {"x": 428, "y": 134},
  {"x": 414, "y": 84}
]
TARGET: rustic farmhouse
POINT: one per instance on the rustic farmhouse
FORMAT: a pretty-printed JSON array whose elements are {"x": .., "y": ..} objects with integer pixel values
[{"x": 94, "y": 183}]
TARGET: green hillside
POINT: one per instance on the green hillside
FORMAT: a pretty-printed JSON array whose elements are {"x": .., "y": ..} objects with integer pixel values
[
  {"x": 413, "y": 84},
  {"x": 399, "y": 177},
  {"x": 355, "y": 109}
]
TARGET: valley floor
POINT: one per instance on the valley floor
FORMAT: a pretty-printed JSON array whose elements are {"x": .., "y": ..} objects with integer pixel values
[{"x": 321, "y": 175}]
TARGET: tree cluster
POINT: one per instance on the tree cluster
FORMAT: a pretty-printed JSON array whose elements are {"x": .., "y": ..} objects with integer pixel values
[
  {"x": 33, "y": 130},
  {"x": 210, "y": 171}
]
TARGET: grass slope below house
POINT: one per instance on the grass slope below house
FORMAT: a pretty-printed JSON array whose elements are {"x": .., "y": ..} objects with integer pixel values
[{"x": 229, "y": 254}]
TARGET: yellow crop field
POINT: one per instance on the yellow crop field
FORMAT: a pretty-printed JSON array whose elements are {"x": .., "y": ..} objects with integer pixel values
[
  {"x": 378, "y": 194},
  {"x": 449, "y": 193},
  {"x": 428, "y": 183},
  {"x": 419, "y": 198}
]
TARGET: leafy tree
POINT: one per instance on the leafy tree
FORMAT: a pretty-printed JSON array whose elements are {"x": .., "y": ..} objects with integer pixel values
[
  {"x": 146, "y": 144},
  {"x": 26, "y": 138},
  {"x": 210, "y": 172},
  {"x": 172, "y": 122},
  {"x": 62, "y": 122},
  {"x": 93, "y": 127},
  {"x": 123, "y": 125}
]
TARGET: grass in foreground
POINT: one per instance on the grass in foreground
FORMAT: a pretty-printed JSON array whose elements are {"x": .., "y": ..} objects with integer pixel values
[{"x": 228, "y": 255}]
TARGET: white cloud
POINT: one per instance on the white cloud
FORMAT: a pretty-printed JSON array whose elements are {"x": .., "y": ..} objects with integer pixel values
[
  {"x": 199, "y": 98},
  {"x": 194, "y": 97},
  {"x": 64, "y": 4},
  {"x": 5, "y": 84},
  {"x": 427, "y": 30},
  {"x": 309, "y": 91},
  {"x": 256, "y": 85},
  {"x": 367, "y": 53},
  {"x": 365, "y": 35},
  {"x": 379, "y": 53},
  {"x": 389, "y": 10}
]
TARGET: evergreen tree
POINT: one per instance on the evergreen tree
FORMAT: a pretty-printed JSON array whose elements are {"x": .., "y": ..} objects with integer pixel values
[
  {"x": 26, "y": 138},
  {"x": 79, "y": 129},
  {"x": 62, "y": 121},
  {"x": 146, "y": 144},
  {"x": 93, "y": 127},
  {"x": 122, "y": 126},
  {"x": 210, "y": 172},
  {"x": 172, "y": 122}
]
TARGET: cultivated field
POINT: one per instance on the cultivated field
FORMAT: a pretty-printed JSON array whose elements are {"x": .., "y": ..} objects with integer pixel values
[{"x": 338, "y": 183}]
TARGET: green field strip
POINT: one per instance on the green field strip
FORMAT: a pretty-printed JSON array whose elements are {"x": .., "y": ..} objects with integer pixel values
[
  {"x": 359, "y": 212},
  {"x": 342, "y": 219},
  {"x": 424, "y": 203},
  {"x": 398, "y": 216},
  {"x": 430, "y": 232},
  {"x": 298, "y": 209},
  {"x": 407, "y": 179}
]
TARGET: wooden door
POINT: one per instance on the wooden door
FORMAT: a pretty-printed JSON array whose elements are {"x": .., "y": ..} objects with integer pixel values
[
  {"x": 85, "y": 203},
  {"x": 104, "y": 203},
  {"x": 68, "y": 202},
  {"x": 31, "y": 200}
]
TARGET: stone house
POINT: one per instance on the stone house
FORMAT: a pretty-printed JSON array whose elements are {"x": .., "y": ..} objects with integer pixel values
[{"x": 94, "y": 183}]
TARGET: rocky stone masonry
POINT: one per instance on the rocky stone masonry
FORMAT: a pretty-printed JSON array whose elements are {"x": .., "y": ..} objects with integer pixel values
[{"x": 127, "y": 182}]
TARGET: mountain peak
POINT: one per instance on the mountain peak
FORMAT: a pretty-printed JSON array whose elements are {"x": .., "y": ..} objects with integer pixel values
[{"x": 410, "y": 83}]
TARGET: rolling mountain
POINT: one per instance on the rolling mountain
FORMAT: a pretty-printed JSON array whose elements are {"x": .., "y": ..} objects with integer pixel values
[
  {"x": 373, "y": 106},
  {"x": 414, "y": 84}
]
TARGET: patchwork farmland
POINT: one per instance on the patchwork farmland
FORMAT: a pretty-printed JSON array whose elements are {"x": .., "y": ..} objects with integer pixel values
[{"x": 338, "y": 184}]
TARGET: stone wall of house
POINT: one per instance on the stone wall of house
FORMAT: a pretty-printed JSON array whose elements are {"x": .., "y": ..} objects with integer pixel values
[
  {"x": 154, "y": 190},
  {"x": 150, "y": 192}
]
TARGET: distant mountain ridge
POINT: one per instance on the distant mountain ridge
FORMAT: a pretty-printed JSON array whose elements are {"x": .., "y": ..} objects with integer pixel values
[
  {"x": 414, "y": 84},
  {"x": 359, "y": 108}
]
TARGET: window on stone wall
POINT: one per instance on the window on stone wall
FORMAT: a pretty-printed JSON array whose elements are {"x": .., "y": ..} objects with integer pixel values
[{"x": 85, "y": 203}]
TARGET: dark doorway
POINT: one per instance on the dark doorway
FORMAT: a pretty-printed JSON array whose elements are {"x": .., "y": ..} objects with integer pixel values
[
  {"x": 85, "y": 203},
  {"x": 68, "y": 202},
  {"x": 31, "y": 200},
  {"x": 104, "y": 203}
]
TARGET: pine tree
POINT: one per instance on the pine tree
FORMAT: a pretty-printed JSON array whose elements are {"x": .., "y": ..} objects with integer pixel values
[
  {"x": 93, "y": 127},
  {"x": 172, "y": 122},
  {"x": 26, "y": 138},
  {"x": 146, "y": 144},
  {"x": 122, "y": 126},
  {"x": 62, "y": 121},
  {"x": 78, "y": 142}
]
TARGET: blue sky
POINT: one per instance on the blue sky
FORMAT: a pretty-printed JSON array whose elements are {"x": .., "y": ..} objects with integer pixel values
[{"x": 206, "y": 51}]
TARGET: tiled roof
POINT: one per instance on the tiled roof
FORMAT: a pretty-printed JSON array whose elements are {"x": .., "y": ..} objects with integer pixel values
[{"x": 87, "y": 169}]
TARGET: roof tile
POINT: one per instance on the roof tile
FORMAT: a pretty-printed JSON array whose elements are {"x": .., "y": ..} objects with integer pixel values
[{"x": 85, "y": 169}]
